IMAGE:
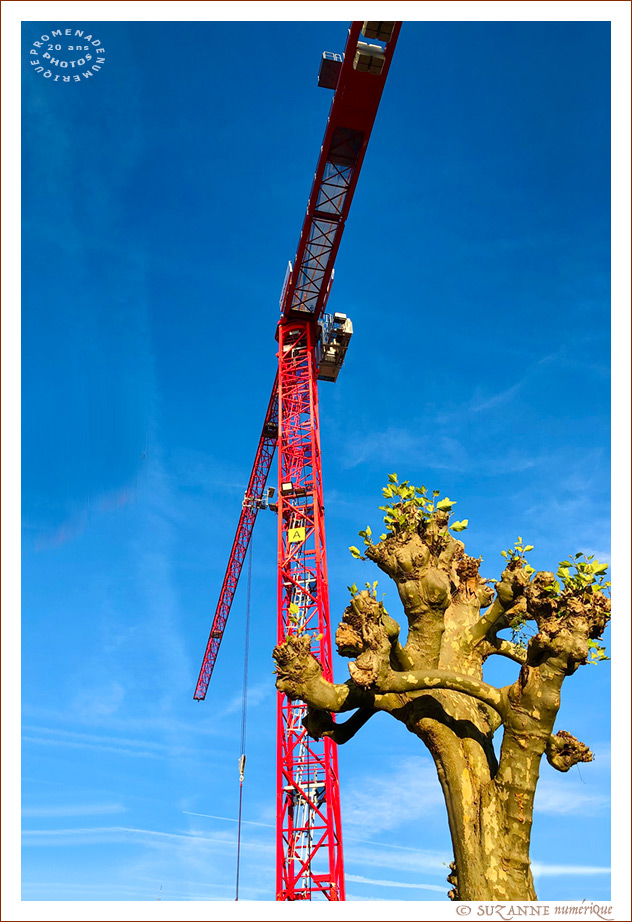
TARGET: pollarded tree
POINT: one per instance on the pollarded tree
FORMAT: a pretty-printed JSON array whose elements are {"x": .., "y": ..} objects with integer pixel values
[{"x": 434, "y": 682}]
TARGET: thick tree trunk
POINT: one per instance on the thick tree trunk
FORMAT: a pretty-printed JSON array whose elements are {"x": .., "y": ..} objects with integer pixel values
[
  {"x": 491, "y": 857},
  {"x": 487, "y": 863}
]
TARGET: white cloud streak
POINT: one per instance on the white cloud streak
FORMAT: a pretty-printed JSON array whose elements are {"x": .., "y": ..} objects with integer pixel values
[
  {"x": 97, "y": 835},
  {"x": 375, "y": 803},
  {"x": 131, "y": 748},
  {"x": 565, "y": 870},
  {"x": 94, "y": 737},
  {"x": 414, "y": 861},
  {"x": 563, "y": 800},
  {"x": 479, "y": 404},
  {"x": 256, "y": 694},
  {"x": 356, "y": 879},
  {"x": 73, "y": 810},
  {"x": 229, "y": 819},
  {"x": 135, "y": 753}
]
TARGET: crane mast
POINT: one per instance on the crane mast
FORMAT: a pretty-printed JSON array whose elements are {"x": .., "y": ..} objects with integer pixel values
[
  {"x": 311, "y": 346},
  {"x": 309, "y": 839}
]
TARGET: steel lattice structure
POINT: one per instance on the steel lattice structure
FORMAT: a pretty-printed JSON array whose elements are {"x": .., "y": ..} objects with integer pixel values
[
  {"x": 309, "y": 844},
  {"x": 311, "y": 346},
  {"x": 249, "y": 509}
]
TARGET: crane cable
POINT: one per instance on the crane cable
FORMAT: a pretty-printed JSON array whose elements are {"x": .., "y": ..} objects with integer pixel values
[{"x": 244, "y": 708}]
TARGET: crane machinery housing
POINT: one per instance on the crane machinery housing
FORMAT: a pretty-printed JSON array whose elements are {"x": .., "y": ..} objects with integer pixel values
[{"x": 311, "y": 346}]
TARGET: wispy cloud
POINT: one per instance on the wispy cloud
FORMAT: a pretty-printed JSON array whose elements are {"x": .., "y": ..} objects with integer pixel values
[
  {"x": 479, "y": 402},
  {"x": 602, "y": 555},
  {"x": 73, "y": 810},
  {"x": 376, "y": 801},
  {"x": 565, "y": 870},
  {"x": 72, "y": 528},
  {"x": 133, "y": 748},
  {"x": 97, "y": 835},
  {"x": 75, "y": 744},
  {"x": 103, "y": 701},
  {"x": 229, "y": 819},
  {"x": 395, "y": 445},
  {"x": 356, "y": 898},
  {"x": 145, "y": 722},
  {"x": 564, "y": 799},
  {"x": 413, "y": 860},
  {"x": 394, "y": 883},
  {"x": 256, "y": 695}
]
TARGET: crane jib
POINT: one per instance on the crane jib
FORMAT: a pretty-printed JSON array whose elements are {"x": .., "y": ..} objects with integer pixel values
[
  {"x": 349, "y": 126},
  {"x": 351, "y": 117},
  {"x": 250, "y": 507}
]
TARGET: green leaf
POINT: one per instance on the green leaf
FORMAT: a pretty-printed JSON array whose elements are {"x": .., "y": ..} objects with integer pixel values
[
  {"x": 445, "y": 504},
  {"x": 368, "y": 531},
  {"x": 353, "y": 589},
  {"x": 392, "y": 478},
  {"x": 459, "y": 526},
  {"x": 504, "y": 554},
  {"x": 565, "y": 563},
  {"x": 599, "y": 568},
  {"x": 382, "y": 537},
  {"x": 355, "y": 553}
]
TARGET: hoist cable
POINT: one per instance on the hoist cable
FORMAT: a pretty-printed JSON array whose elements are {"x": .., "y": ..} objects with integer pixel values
[{"x": 244, "y": 709}]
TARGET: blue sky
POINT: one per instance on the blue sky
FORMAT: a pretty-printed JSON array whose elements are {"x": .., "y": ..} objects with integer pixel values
[{"x": 161, "y": 202}]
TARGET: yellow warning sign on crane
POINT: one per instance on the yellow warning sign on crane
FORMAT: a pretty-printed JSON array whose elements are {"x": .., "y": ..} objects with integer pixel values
[{"x": 295, "y": 535}]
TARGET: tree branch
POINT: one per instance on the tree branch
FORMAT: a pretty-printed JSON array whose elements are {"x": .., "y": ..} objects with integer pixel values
[
  {"x": 434, "y": 679},
  {"x": 563, "y": 751},
  {"x": 300, "y": 675},
  {"x": 320, "y": 723},
  {"x": 506, "y": 648}
]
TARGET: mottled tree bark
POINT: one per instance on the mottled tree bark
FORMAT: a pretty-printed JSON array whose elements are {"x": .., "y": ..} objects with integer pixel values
[{"x": 434, "y": 685}]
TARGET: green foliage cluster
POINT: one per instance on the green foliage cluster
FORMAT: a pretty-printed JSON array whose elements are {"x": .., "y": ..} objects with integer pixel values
[
  {"x": 411, "y": 507},
  {"x": 370, "y": 587},
  {"x": 589, "y": 576},
  {"x": 517, "y": 552}
]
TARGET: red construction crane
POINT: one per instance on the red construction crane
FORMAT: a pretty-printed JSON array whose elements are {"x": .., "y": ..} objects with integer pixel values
[{"x": 312, "y": 345}]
